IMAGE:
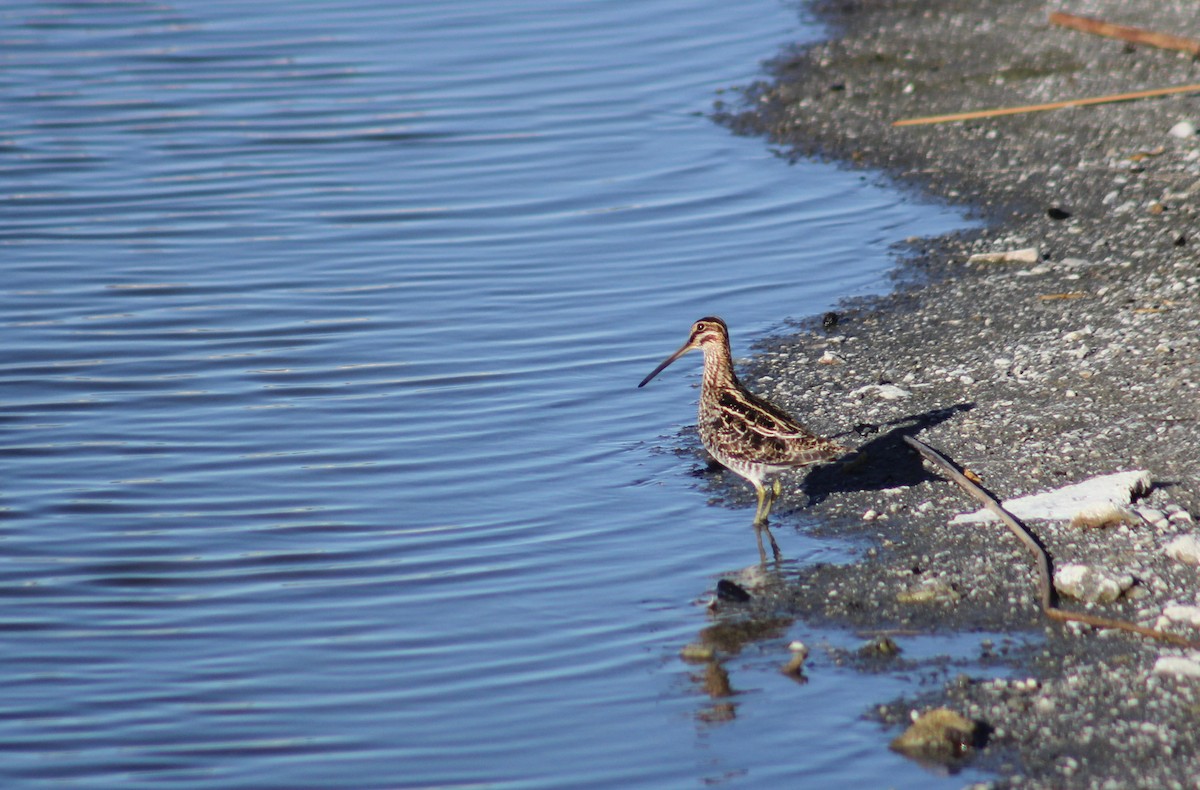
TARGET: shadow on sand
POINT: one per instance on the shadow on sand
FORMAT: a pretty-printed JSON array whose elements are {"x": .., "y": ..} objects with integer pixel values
[{"x": 885, "y": 461}]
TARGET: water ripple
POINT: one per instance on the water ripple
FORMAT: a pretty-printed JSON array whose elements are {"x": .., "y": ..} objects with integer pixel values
[{"x": 323, "y": 460}]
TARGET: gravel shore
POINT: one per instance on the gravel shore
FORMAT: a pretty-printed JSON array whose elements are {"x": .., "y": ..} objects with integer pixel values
[{"x": 1082, "y": 359}]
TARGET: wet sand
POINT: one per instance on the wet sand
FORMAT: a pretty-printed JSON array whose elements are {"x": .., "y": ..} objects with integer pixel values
[{"x": 1081, "y": 362}]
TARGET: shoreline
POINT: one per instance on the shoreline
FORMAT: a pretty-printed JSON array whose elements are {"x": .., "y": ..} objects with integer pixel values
[{"x": 1079, "y": 362}]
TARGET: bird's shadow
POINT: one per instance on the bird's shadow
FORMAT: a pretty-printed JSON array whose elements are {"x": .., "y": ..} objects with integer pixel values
[{"x": 885, "y": 461}]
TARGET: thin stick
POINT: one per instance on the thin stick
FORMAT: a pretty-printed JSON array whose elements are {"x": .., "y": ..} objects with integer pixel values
[
  {"x": 1045, "y": 577},
  {"x": 1054, "y": 105},
  {"x": 1135, "y": 34}
]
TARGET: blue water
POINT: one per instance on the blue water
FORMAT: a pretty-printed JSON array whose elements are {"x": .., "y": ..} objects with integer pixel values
[{"x": 323, "y": 464}]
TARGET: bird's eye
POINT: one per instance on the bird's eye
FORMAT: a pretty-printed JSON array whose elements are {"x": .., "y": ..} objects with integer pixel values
[{"x": 701, "y": 326}]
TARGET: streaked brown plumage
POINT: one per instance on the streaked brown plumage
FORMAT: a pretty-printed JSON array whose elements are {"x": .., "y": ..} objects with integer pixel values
[{"x": 745, "y": 433}]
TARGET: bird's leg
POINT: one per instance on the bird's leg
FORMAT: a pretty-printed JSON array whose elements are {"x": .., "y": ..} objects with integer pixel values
[
  {"x": 765, "y": 500},
  {"x": 774, "y": 546},
  {"x": 760, "y": 516},
  {"x": 758, "y": 520},
  {"x": 776, "y": 490}
]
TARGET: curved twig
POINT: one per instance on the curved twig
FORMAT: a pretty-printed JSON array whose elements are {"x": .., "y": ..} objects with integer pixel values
[{"x": 1042, "y": 559}]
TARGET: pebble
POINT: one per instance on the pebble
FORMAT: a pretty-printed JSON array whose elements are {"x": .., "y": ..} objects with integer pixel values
[
  {"x": 1024, "y": 255},
  {"x": 940, "y": 735},
  {"x": 1185, "y": 549},
  {"x": 892, "y": 392},
  {"x": 1152, "y": 516},
  {"x": 1179, "y": 666},
  {"x": 1179, "y": 613},
  {"x": 1183, "y": 130},
  {"x": 731, "y": 591},
  {"x": 883, "y": 391},
  {"x": 933, "y": 590},
  {"x": 1089, "y": 584},
  {"x": 830, "y": 358},
  {"x": 697, "y": 653},
  {"x": 880, "y": 646},
  {"x": 794, "y": 666}
]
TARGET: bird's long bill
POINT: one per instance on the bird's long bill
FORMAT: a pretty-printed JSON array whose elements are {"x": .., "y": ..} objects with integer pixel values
[{"x": 686, "y": 348}]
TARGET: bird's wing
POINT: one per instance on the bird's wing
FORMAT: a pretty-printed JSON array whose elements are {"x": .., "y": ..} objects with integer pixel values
[{"x": 760, "y": 431}]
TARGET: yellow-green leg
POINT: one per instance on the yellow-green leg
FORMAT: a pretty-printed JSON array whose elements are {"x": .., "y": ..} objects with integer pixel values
[
  {"x": 759, "y": 516},
  {"x": 776, "y": 490},
  {"x": 765, "y": 501}
]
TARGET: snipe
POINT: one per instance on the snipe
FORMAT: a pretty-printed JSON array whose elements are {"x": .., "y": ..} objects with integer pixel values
[{"x": 745, "y": 433}]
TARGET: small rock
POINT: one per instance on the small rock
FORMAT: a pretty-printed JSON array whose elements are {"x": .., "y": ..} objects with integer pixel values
[
  {"x": 1056, "y": 213},
  {"x": 1103, "y": 515},
  {"x": 795, "y": 665},
  {"x": 830, "y": 358},
  {"x": 1178, "y": 666},
  {"x": 1091, "y": 585},
  {"x": 866, "y": 429},
  {"x": 1024, "y": 255},
  {"x": 1152, "y": 516},
  {"x": 870, "y": 515},
  {"x": 1185, "y": 549},
  {"x": 794, "y": 668},
  {"x": 731, "y": 592},
  {"x": 934, "y": 590},
  {"x": 1188, "y": 615},
  {"x": 892, "y": 392},
  {"x": 1136, "y": 593},
  {"x": 697, "y": 653},
  {"x": 1183, "y": 130},
  {"x": 940, "y": 735},
  {"x": 884, "y": 391},
  {"x": 1066, "y": 503},
  {"x": 881, "y": 647}
]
